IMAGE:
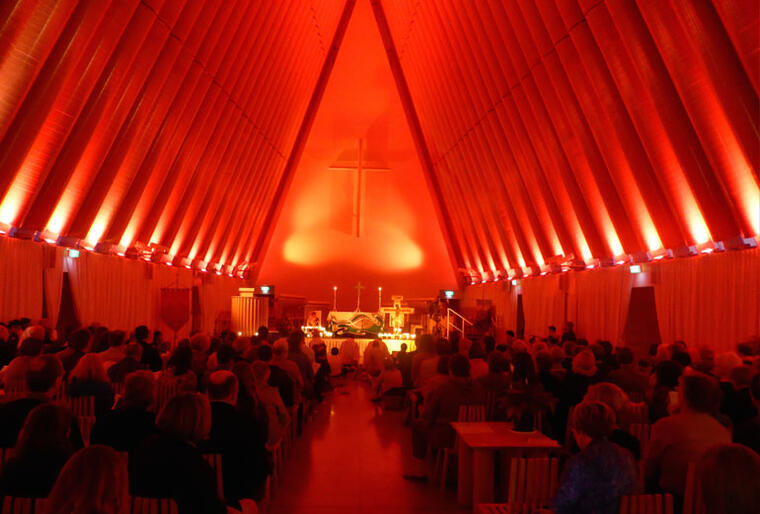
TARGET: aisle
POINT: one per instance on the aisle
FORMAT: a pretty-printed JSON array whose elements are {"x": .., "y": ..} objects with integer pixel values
[{"x": 348, "y": 461}]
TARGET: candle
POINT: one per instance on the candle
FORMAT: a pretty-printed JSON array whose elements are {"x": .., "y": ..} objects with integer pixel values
[{"x": 335, "y": 298}]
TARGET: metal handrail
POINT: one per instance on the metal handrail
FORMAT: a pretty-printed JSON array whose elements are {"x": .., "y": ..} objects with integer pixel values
[{"x": 449, "y": 324}]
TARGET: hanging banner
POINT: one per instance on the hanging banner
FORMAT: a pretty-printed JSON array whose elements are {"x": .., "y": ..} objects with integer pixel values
[{"x": 175, "y": 307}]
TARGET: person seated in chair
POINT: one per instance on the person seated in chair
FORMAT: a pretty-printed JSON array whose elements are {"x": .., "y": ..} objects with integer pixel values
[{"x": 239, "y": 438}]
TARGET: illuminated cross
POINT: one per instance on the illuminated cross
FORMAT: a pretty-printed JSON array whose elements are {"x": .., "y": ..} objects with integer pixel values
[
  {"x": 397, "y": 313},
  {"x": 360, "y": 167},
  {"x": 358, "y": 288}
]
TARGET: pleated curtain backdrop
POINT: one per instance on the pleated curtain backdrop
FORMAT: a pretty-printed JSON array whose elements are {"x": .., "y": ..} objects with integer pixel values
[
  {"x": 504, "y": 298},
  {"x": 598, "y": 303},
  {"x": 712, "y": 300},
  {"x": 543, "y": 304},
  {"x": 109, "y": 290}
]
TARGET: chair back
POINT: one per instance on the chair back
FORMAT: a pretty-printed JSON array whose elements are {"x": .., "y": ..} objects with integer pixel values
[
  {"x": 82, "y": 406},
  {"x": 639, "y": 413},
  {"x": 17, "y": 505},
  {"x": 472, "y": 413},
  {"x": 491, "y": 399},
  {"x": 85, "y": 427},
  {"x": 215, "y": 461},
  {"x": 636, "y": 396},
  {"x": 507, "y": 508},
  {"x": 5, "y": 454},
  {"x": 642, "y": 432},
  {"x": 142, "y": 505},
  {"x": 647, "y": 504},
  {"x": 165, "y": 392},
  {"x": 692, "y": 497},
  {"x": 532, "y": 480},
  {"x": 14, "y": 389}
]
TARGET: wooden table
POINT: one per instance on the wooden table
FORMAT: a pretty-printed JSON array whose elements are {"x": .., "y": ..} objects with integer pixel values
[{"x": 479, "y": 444}]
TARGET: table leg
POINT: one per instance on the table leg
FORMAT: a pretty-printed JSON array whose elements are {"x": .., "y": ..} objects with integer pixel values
[
  {"x": 464, "y": 475},
  {"x": 483, "y": 476}
]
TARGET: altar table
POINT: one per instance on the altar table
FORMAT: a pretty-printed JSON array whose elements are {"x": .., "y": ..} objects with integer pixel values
[{"x": 479, "y": 446}]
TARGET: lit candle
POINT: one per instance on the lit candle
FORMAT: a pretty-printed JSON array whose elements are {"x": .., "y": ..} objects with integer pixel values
[
  {"x": 379, "y": 298},
  {"x": 335, "y": 298}
]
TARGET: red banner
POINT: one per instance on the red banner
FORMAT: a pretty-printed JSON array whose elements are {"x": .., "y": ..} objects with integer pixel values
[{"x": 175, "y": 307}]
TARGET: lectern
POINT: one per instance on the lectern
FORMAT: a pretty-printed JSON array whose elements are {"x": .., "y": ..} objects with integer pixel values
[{"x": 249, "y": 311}]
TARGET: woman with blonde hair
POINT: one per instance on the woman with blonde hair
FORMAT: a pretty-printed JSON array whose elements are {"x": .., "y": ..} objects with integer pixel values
[
  {"x": 89, "y": 378},
  {"x": 170, "y": 464},
  {"x": 94, "y": 480},
  {"x": 616, "y": 399}
]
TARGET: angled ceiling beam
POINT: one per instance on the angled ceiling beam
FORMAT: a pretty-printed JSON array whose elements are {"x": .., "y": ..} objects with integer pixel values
[
  {"x": 415, "y": 127},
  {"x": 278, "y": 199}
]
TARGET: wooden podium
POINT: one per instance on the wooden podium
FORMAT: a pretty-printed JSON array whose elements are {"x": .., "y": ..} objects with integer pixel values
[{"x": 249, "y": 312}]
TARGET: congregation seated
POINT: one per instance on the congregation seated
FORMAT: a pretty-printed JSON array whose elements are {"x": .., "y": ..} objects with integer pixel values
[
  {"x": 680, "y": 438},
  {"x": 169, "y": 464},
  {"x": 277, "y": 414},
  {"x": 88, "y": 378},
  {"x": 78, "y": 342},
  {"x": 627, "y": 376},
  {"x": 614, "y": 397},
  {"x": 42, "y": 449},
  {"x": 296, "y": 354},
  {"x": 14, "y": 373},
  {"x": 239, "y": 438},
  {"x": 43, "y": 378},
  {"x": 666, "y": 375},
  {"x": 389, "y": 381},
  {"x": 179, "y": 370},
  {"x": 497, "y": 380},
  {"x": 478, "y": 365},
  {"x": 595, "y": 480},
  {"x": 278, "y": 377},
  {"x": 150, "y": 355},
  {"x": 94, "y": 480},
  {"x": 118, "y": 372},
  {"x": 130, "y": 422},
  {"x": 280, "y": 359},
  {"x": 116, "y": 348}
]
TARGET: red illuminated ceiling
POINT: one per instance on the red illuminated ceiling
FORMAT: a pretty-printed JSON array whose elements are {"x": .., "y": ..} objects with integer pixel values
[{"x": 549, "y": 131}]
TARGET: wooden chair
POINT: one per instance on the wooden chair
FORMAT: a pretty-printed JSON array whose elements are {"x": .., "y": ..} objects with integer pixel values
[
  {"x": 467, "y": 413},
  {"x": 642, "y": 432},
  {"x": 85, "y": 427},
  {"x": 215, "y": 461},
  {"x": 142, "y": 505},
  {"x": 647, "y": 504},
  {"x": 636, "y": 396},
  {"x": 82, "y": 406},
  {"x": 692, "y": 497},
  {"x": 506, "y": 508},
  {"x": 14, "y": 389},
  {"x": 532, "y": 481},
  {"x": 639, "y": 413},
  {"x": 17, "y": 505}
]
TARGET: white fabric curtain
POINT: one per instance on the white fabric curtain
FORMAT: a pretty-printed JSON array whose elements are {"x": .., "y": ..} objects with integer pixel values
[
  {"x": 52, "y": 281},
  {"x": 711, "y": 300},
  {"x": 20, "y": 279},
  {"x": 504, "y": 298},
  {"x": 543, "y": 304},
  {"x": 598, "y": 303}
]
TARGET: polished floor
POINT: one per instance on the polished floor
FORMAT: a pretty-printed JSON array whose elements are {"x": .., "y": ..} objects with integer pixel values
[{"x": 350, "y": 460}]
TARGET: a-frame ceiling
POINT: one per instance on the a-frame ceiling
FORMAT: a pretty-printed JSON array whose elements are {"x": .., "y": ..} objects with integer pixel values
[{"x": 557, "y": 131}]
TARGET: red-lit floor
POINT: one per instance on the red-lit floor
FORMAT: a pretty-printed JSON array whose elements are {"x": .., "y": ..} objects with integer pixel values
[{"x": 349, "y": 460}]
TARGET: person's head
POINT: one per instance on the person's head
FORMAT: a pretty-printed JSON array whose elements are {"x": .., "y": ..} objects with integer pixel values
[
  {"x": 558, "y": 354},
  {"x": 459, "y": 366},
  {"x": 334, "y": 350},
  {"x": 591, "y": 421},
  {"x": 142, "y": 333},
  {"x": 729, "y": 479},
  {"x": 705, "y": 360},
  {"x": 43, "y": 374},
  {"x": 133, "y": 351},
  {"x": 89, "y": 369},
  {"x": 443, "y": 347},
  {"x": 519, "y": 346},
  {"x": 552, "y": 331},
  {"x": 200, "y": 343},
  {"x": 263, "y": 333},
  {"x": 31, "y": 347},
  {"x": 139, "y": 390},
  {"x": 261, "y": 372},
  {"x": 584, "y": 363},
  {"x": 157, "y": 336},
  {"x": 223, "y": 387},
  {"x": 538, "y": 347},
  {"x": 403, "y": 348},
  {"x": 225, "y": 357},
  {"x": 543, "y": 361},
  {"x": 33, "y": 332},
  {"x": 265, "y": 352},
  {"x": 699, "y": 393},
  {"x": 667, "y": 374},
  {"x": 569, "y": 347},
  {"x": 241, "y": 345},
  {"x": 477, "y": 351},
  {"x": 682, "y": 358},
  {"x": 523, "y": 368},
  {"x": 724, "y": 363},
  {"x": 181, "y": 361},
  {"x": 741, "y": 377},
  {"x": 79, "y": 339},
  {"x": 615, "y": 398},
  {"x": 187, "y": 416},
  {"x": 116, "y": 338},
  {"x": 295, "y": 340},
  {"x": 497, "y": 363},
  {"x": 280, "y": 349},
  {"x": 510, "y": 335},
  {"x": 568, "y": 326},
  {"x": 442, "y": 367},
  {"x": 94, "y": 480},
  {"x": 624, "y": 356},
  {"x": 46, "y": 427}
]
